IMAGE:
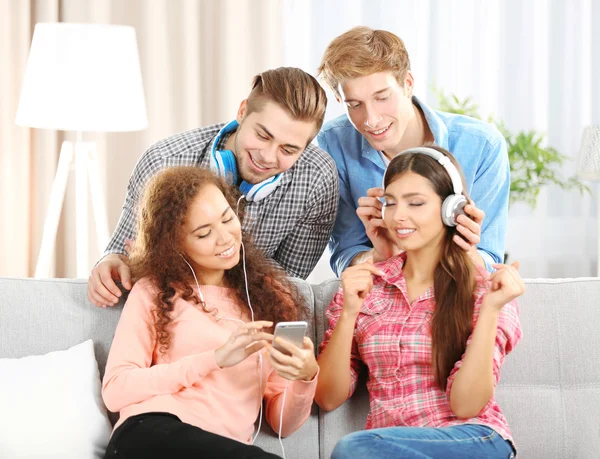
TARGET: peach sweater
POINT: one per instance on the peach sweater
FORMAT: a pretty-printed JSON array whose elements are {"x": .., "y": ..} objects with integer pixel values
[{"x": 186, "y": 381}]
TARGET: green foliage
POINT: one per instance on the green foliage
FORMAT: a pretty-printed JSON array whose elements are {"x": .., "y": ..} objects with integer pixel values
[
  {"x": 452, "y": 104},
  {"x": 532, "y": 165}
]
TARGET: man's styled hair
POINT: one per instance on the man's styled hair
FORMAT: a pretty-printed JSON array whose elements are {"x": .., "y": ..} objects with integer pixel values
[
  {"x": 362, "y": 51},
  {"x": 294, "y": 90}
]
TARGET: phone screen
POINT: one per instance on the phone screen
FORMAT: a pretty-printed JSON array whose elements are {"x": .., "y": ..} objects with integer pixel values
[{"x": 293, "y": 332}]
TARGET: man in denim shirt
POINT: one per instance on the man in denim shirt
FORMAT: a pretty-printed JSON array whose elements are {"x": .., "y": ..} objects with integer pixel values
[{"x": 369, "y": 72}]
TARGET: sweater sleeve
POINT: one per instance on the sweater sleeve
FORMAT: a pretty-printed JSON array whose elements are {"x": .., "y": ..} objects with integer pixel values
[
  {"x": 298, "y": 402},
  {"x": 130, "y": 375}
]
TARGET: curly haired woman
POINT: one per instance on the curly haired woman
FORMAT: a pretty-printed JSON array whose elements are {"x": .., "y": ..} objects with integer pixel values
[{"x": 185, "y": 370}]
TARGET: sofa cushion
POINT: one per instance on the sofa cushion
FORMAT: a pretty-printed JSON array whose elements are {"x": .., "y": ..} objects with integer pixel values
[
  {"x": 550, "y": 385},
  {"x": 65, "y": 383}
]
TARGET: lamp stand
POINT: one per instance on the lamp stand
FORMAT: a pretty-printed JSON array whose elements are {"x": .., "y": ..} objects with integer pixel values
[{"x": 86, "y": 167}]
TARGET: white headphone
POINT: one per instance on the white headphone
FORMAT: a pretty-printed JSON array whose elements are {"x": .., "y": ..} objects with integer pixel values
[{"x": 454, "y": 204}]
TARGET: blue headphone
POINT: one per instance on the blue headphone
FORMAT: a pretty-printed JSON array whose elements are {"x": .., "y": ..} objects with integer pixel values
[
  {"x": 453, "y": 205},
  {"x": 223, "y": 163}
]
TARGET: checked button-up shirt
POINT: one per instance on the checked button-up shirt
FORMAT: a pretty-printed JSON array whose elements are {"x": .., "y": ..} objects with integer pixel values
[
  {"x": 291, "y": 226},
  {"x": 392, "y": 338}
]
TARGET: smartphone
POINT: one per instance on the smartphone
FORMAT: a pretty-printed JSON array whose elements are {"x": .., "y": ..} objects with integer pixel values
[{"x": 293, "y": 332}]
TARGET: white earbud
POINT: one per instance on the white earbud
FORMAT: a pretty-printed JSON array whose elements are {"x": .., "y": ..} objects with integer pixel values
[{"x": 237, "y": 206}]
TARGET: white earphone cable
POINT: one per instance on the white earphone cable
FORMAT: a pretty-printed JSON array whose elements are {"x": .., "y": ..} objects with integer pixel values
[
  {"x": 260, "y": 357},
  {"x": 281, "y": 418}
]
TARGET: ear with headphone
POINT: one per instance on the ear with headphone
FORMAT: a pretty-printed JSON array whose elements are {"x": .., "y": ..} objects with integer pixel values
[
  {"x": 454, "y": 204},
  {"x": 223, "y": 163}
]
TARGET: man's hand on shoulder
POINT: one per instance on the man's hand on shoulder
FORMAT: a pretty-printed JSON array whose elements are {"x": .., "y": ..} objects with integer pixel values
[{"x": 102, "y": 289}]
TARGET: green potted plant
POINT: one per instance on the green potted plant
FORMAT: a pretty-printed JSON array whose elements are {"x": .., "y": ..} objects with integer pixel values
[{"x": 532, "y": 164}]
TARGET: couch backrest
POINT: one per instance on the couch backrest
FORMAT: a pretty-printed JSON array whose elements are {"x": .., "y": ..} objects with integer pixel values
[
  {"x": 42, "y": 315},
  {"x": 549, "y": 389}
]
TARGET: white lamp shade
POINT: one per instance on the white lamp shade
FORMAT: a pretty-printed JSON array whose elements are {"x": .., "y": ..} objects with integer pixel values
[
  {"x": 588, "y": 162},
  {"x": 83, "y": 77}
]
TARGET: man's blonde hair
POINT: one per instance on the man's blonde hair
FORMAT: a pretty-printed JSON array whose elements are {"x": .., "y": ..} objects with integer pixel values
[
  {"x": 360, "y": 52},
  {"x": 294, "y": 90}
]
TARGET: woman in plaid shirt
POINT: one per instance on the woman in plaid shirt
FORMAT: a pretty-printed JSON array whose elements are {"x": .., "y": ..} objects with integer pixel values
[{"x": 432, "y": 328}]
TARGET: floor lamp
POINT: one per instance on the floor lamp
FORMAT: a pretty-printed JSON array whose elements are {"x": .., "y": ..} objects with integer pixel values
[
  {"x": 588, "y": 168},
  {"x": 81, "y": 78}
]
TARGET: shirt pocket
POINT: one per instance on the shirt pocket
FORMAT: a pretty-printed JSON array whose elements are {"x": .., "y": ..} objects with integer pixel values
[
  {"x": 371, "y": 318},
  {"x": 375, "y": 306},
  {"x": 378, "y": 340},
  {"x": 425, "y": 319}
]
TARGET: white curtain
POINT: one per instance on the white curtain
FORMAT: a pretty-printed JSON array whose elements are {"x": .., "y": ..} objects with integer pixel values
[{"x": 533, "y": 64}]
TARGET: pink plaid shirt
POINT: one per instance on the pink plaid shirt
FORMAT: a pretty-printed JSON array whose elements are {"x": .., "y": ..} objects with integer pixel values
[{"x": 392, "y": 338}]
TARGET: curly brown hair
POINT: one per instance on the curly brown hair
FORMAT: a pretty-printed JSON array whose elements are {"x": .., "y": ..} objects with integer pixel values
[{"x": 159, "y": 242}]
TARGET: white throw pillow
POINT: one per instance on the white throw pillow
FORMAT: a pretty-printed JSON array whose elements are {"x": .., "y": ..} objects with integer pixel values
[{"x": 51, "y": 406}]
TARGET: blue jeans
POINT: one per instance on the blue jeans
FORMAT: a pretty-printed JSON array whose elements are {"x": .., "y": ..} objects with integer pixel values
[{"x": 468, "y": 441}]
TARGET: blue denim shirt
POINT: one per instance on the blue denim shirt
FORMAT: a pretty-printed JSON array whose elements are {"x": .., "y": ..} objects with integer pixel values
[{"x": 479, "y": 148}]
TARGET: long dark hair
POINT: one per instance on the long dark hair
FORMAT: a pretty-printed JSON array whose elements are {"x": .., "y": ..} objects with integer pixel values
[
  {"x": 454, "y": 277},
  {"x": 156, "y": 253}
]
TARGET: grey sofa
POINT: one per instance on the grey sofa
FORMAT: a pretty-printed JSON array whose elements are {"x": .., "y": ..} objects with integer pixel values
[{"x": 549, "y": 390}]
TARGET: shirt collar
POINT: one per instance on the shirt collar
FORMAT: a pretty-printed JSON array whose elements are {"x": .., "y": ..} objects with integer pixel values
[
  {"x": 392, "y": 268},
  {"x": 435, "y": 123},
  {"x": 368, "y": 152},
  {"x": 393, "y": 275}
]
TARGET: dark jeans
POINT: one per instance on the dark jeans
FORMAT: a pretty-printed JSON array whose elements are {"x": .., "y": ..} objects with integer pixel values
[{"x": 165, "y": 436}]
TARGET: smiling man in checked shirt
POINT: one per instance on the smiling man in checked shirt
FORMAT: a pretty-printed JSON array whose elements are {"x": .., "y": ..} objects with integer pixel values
[{"x": 270, "y": 139}]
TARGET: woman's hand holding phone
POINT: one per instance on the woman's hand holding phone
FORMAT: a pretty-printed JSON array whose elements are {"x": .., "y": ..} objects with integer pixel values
[
  {"x": 292, "y": 354},
  {"x": 300, "y": 364}
]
